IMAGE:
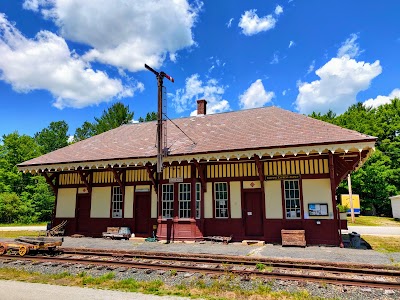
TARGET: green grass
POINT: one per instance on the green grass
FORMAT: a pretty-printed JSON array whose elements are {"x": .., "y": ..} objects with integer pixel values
[
  {"x": 383, "y": 244},
  {"x": 15, "y": 234},
  {"x": 21, "y": 224},
  {"x": 373, "y": 221},
  {"x": 218, "y": 289}
]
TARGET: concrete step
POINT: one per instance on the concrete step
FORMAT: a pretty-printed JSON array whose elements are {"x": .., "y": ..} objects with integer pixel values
[{"x": 253, "y": 242}]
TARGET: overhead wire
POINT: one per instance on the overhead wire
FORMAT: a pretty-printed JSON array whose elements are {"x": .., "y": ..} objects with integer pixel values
[{"x": 180, "y": 129}]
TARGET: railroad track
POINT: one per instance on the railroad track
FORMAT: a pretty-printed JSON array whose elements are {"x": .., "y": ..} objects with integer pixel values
[{"x": 210, "y": 264}]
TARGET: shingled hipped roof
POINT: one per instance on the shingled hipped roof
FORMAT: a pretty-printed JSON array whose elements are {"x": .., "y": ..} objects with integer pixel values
[{"x": 260, "y": 128}]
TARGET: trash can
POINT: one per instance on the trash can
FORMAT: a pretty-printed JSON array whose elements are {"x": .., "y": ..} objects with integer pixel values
[{"x": 355, "y": 240}]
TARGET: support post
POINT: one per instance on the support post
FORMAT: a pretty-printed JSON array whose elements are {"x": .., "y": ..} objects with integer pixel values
[
  {"x": 333, "y": 192},
  {"x": 160, "y": 151},
  {"x": 351, "y": 198}
]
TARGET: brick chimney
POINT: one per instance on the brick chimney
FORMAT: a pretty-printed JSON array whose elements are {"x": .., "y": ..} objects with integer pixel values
[{"x": 201, "y": 107}]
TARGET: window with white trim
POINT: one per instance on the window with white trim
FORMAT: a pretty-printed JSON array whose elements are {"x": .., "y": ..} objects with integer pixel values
[
  {"x": 292, "y": 199},
  {"x": 167, "y": 201},
  {"x": 198, "y": 200},
  {"x": 117, "y": 202},
  {"x": 184, "y": 200},
  {"x": 221, "y": 199}
]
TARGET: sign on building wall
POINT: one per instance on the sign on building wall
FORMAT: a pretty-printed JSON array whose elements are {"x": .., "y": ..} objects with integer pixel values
[
  {"x": 173, "y": 180},
  {"x": 282, "y": 177},
  {"x": 317, "y": 209}
]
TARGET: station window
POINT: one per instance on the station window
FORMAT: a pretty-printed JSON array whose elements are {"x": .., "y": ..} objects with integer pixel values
[
  {"x": 117, "y": 201},
  {"x": 198, "y": 200},
  {"x": 167, "y": 201},
  {"x": 184, "y": 200},
  {"x": 292, "y": 199},
  {"x": 221, "y": 200}
]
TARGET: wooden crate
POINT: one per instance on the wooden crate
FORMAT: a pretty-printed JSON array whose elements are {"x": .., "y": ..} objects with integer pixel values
[
  {"x": 293, "y": 237},
  {"x": 112, "y": 229}
]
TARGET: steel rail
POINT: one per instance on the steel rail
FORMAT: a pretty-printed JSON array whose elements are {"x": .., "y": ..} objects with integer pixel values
[
  {"x": 241, "y": 261},
  {"x": 216, "y": 270}
]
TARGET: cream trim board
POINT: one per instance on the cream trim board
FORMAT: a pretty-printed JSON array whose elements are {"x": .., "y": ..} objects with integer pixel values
[{"x": 66, "y": 203}]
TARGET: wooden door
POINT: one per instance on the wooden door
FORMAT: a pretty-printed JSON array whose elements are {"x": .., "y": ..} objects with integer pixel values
[
  {"x": 253, "y": 213},
  {"x": 82, "y": 213},
  {"x": 143, "y": 214}
]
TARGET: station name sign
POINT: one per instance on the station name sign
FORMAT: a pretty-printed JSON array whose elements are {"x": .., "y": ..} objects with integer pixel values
[
  {"x": 173, "y": 180},
  {"x": 282, "y": 177}
]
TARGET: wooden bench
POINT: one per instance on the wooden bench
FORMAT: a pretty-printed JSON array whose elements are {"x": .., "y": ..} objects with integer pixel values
[
  {"x": 57, "y": 230},
  {"x": 293, "y": 237}
]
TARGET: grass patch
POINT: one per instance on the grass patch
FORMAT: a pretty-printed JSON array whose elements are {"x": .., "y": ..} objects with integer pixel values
[
  {"x": 383, "y": 244},
  {"x": 218, "y": 289},
  {"x": 373, "y": 221},
  {"x": 15, "y": 234},
  {"x": 21, "y": 224}
]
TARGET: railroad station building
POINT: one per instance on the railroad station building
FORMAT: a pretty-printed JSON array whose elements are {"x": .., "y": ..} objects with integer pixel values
[{"x": 246, "y": 174}]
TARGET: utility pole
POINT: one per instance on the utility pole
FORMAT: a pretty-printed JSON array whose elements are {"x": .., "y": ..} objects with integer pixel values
[
  {"x": 351, "y": 199},
  {"x": 160, "y": 151}
]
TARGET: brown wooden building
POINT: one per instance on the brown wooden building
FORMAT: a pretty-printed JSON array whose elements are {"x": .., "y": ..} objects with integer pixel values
[{"x": 247, "y": 173}]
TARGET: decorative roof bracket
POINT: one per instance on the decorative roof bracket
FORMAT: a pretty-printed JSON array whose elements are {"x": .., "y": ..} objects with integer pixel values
[
  {"x": 84, "y": 177},
  {"x": 117, "y": 176},
  {"x": 151, "y": 171},
  {"x": 260, "y": 169},
  {"x": 203, "y": 179},
  {"x": 49, "y": 180}
]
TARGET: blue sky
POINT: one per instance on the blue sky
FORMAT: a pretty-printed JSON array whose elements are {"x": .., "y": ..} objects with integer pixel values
[{"x": 71, "y": 59}]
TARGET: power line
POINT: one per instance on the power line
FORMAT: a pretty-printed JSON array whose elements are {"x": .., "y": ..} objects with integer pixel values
[{"x": 181, "y": 130}]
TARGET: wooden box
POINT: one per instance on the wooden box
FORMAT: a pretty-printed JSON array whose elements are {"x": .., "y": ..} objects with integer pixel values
[
  {"x": 293, "y": 237},
  {"x": 112, "y": 229}
]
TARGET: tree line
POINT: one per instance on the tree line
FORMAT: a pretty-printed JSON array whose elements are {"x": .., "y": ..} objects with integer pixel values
[
  {"x": 25, "y": 198},
  {"x": 379, "y": 177}
]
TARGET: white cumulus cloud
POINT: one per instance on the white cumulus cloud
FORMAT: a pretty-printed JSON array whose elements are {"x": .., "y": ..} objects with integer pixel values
[
  {"x": 341, "y": 79},
  {"x": 291, "y": 44},
  {"x": 121, "y": 33},
  {"x": 195, "y": 89},
  {"x": 46, "y": 63},
  {"x": 252, "y": 24},
  {"x": 255, "y": 96},
  {"x": 381, "y": 100}
]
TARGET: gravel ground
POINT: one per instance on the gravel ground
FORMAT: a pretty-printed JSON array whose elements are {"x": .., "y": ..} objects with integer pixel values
[{"x": 322, "y": 290}]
